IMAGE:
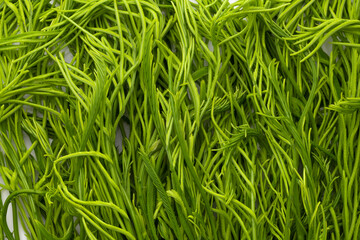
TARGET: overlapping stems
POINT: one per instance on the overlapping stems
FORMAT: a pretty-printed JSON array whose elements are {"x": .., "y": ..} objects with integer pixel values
[{"x": 234, "y": 122}]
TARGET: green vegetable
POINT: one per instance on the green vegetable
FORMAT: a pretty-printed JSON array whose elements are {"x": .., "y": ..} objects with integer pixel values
[{"x": 157, "y": 119}]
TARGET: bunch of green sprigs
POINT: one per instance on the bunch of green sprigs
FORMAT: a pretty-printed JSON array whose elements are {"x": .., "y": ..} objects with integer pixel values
[{"x": 233, "y": 121}]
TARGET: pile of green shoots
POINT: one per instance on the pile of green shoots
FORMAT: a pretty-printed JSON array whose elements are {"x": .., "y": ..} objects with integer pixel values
[{"x": 234, "y": 122}]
